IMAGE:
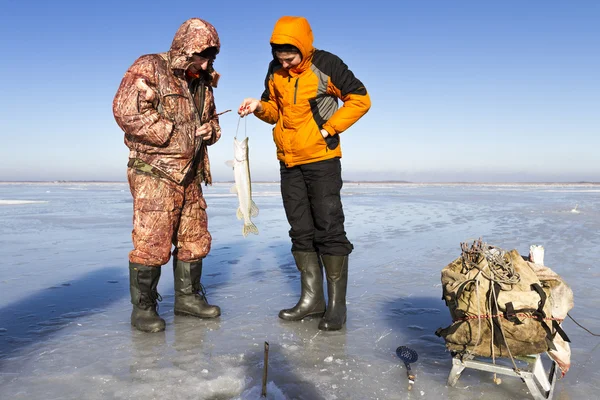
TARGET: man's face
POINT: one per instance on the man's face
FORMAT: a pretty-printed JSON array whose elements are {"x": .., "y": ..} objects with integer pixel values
[
  {"x": 288, "y": 60},
  {"x": 199, "y": 63}
]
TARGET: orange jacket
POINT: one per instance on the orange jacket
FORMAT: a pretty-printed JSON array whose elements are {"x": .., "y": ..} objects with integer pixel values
[{"x": 303, "y": 100}]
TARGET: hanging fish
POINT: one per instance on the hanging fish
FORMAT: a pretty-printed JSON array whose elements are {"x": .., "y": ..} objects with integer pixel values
[{"x": 243, "y": 186}]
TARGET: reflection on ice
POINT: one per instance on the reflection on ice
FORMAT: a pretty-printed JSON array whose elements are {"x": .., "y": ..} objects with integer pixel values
[
  {"x": 16, "y": 202},
  {"x": 64, "y": 299}
]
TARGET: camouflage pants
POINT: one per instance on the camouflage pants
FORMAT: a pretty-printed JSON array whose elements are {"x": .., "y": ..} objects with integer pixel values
[{"x": 166, "y": 214}]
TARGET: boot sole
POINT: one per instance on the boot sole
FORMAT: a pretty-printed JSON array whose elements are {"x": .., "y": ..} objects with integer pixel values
[
  {"x": 186, "y": 314},
  {"x": 332, "y": 328},
  {"x": 311, "y": 315},
  {"x": 155, "y": 330}
]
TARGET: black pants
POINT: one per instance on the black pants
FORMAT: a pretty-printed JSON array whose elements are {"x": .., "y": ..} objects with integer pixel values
[{"x": 311, "y": 198}]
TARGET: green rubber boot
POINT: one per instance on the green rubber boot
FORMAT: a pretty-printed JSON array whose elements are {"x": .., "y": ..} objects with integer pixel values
[
  {"x": 190, "y": 296},
  {"x": 336, "y": 270},
  {"x": 312, "y": 299},
  {"x": 143, "y": 281}
]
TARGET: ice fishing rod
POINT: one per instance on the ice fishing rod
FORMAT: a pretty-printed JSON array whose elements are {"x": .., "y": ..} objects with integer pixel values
[{"x": 199, "y": 138}]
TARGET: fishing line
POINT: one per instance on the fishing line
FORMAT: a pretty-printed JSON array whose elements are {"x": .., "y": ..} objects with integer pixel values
[{"x": 238, "y": 127}]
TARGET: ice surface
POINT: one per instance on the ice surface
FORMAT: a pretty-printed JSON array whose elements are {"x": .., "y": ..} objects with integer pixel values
[
  {"x": 14, "y": 202},
  {"x": 64, "y": 298}
]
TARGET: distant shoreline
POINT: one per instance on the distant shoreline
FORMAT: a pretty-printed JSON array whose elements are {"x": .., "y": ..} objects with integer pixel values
[{"x": 376, "y": 182}]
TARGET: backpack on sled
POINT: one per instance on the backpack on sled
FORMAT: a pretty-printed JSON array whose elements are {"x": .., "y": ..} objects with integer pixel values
[{"x": 502, "y": 305}]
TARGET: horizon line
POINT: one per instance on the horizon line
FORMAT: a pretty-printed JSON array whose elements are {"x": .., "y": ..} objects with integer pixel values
[{"x": 344, "y": 180}]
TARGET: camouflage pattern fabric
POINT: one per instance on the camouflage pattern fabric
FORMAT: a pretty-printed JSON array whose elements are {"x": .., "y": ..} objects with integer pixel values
[
  {"x": 167, "y": 162},
  {"x": 166, "y": 214},
  {"x": 154, "y": 107}
]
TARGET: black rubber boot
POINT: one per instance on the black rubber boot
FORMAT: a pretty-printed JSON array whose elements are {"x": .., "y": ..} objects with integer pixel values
[
  {"x": 312, "y": 299},
  {"x": 190, "y": 296},
  {"x": 336, "y": 270},
  {"x": 144, "y": 296}
]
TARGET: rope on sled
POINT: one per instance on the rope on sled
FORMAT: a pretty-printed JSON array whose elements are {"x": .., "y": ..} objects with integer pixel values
[
  {"x": 581, "y": 326},
  {"x": 497, "y": 270},
  {"x": 500, "y": 270},
  {"x": 488, "y": 316}
]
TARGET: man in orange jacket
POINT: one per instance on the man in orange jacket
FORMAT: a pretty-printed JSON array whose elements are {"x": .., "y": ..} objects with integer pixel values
[{"x": 301, "y": 95}]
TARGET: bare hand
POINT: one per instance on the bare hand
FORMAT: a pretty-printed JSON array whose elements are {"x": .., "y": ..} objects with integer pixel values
[
  {"x": 324, "y": 133},
  {"x": 248, "y": 106},
  {"x": 205, "y": 131}
]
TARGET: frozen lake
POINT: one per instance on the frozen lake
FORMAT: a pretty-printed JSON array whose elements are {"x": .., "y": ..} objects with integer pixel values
[{"x": 64, "y": 294}]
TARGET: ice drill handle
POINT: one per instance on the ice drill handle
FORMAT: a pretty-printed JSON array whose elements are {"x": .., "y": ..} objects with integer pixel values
[{"x": 409, "y": 374}]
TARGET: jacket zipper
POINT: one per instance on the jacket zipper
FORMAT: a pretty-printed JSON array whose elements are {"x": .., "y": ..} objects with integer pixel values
[
  {"x": 296, "y": 89},
  {"x": 200, "y": 111}
]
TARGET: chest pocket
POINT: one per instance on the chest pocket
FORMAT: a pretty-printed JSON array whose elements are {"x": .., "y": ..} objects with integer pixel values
[
  {"x": 172, "y": 106},
  {"x": 174, "y": 103}
]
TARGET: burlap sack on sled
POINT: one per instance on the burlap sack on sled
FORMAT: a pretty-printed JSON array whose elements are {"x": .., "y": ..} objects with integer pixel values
[{"x": 502, "y": 305}]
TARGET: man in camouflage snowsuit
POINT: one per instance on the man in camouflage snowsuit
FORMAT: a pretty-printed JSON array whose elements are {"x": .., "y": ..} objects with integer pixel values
[{"x": 166, "y": 108}]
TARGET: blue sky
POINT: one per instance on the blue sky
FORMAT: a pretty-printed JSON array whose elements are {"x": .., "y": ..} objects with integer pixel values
[{"x": 461, "y": 90}]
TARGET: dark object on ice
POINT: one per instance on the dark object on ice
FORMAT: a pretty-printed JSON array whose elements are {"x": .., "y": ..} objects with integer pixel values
[
  {"x": 408, "y": 356},
  {"x": 143, "y": 281},
  {"x": 190, "y": 296},
  {"x": 312, "y": 298},
  {"x": 336, "y": 271},
  {"x": 264, "y": 381}
]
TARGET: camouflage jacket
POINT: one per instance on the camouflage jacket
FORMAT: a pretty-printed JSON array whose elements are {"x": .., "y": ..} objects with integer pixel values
[{"x": 155, "y": 108}]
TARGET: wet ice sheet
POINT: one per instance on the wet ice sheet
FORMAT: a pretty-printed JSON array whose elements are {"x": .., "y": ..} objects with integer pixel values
[{"x": 64, "y": 300}]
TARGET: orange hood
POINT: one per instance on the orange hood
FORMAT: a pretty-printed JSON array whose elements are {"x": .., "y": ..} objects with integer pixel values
[{"x": 297, "y": 32}]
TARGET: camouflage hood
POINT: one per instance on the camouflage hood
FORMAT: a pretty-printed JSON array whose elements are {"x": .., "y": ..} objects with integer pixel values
[{"x": 193, "y": 36}]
